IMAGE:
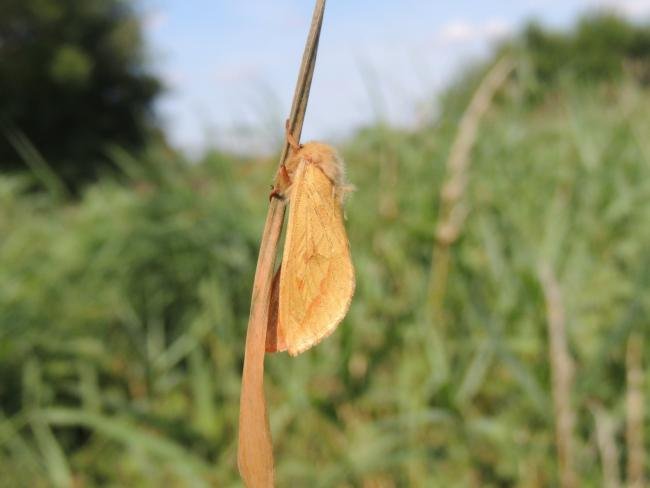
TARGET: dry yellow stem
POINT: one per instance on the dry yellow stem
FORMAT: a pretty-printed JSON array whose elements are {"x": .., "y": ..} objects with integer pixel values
[
  {"x": 634, "y": 410},
  {"x": 255, "y": 449},
  {"x": 452, "y": 213},
  {"x": 606, "y": 439},
  {"x": 562, "y": 376}
]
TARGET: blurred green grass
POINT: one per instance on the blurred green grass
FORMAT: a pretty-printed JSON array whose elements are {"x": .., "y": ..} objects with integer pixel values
[{"x": 123, "y": 314}]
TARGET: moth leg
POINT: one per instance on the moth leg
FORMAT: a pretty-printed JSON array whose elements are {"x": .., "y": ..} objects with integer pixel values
[
  {"x": 275, "y": 194},
  {"x": 290, "y": 139},
  {"x": 284, "y": 174}
]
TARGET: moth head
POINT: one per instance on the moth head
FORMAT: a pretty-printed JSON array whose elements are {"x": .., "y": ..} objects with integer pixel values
[{"x": 321, "y": 155}]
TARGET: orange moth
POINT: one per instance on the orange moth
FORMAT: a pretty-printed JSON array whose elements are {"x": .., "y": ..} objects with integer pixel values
[{"x": 313, "y": 287}]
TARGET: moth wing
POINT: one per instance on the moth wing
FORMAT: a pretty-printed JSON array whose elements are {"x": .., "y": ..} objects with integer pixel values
[{"x": 317, "y": 280}]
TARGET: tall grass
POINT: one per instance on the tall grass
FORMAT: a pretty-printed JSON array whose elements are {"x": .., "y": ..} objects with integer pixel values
[{"x": 122, "y": 315}]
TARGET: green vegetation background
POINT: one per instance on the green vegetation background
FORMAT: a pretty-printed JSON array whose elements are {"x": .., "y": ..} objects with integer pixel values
[{"x": 123, "y": 312}]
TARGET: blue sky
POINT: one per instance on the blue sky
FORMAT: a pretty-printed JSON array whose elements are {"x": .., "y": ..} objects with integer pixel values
[{"x": 230, "y": 65}]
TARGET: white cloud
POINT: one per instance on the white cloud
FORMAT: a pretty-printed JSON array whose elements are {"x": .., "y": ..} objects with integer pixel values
[
  {"x": 458, "y": 31},
  {"x": 464, "y": 32},
  {"x": 630, "y": 8}
]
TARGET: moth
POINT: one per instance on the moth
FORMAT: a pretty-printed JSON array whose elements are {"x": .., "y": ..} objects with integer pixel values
[{"x": 313, "y": 287}]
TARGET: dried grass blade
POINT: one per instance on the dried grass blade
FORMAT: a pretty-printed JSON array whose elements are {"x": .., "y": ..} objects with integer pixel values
[{"x": 255, "y": 449}]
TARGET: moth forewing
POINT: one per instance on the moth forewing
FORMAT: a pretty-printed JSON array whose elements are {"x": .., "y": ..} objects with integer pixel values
[{"x": 317, "y": 279}]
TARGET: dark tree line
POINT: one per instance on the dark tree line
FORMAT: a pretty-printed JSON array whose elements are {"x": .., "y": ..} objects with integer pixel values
[
  {"x": 602, "y": 47},
  {"x": 73, "y": 81}
]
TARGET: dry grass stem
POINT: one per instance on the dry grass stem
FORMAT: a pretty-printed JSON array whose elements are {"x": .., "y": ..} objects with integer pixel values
[
  {"x": 255, "y": 449},
  {"x": 635, "y": 412},
  {"x": 452, "y": 213},
  {"x": 562, "y": 376},
  {"x": 606, "y": 439}
]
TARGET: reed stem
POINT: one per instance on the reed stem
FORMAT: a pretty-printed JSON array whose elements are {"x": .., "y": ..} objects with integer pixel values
[
  {"x": 452, "y": 213},
  {"x": 255, "y": 448},
  {"x": 561, "y": 376},
  {"x": 635, "y": 411}
]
